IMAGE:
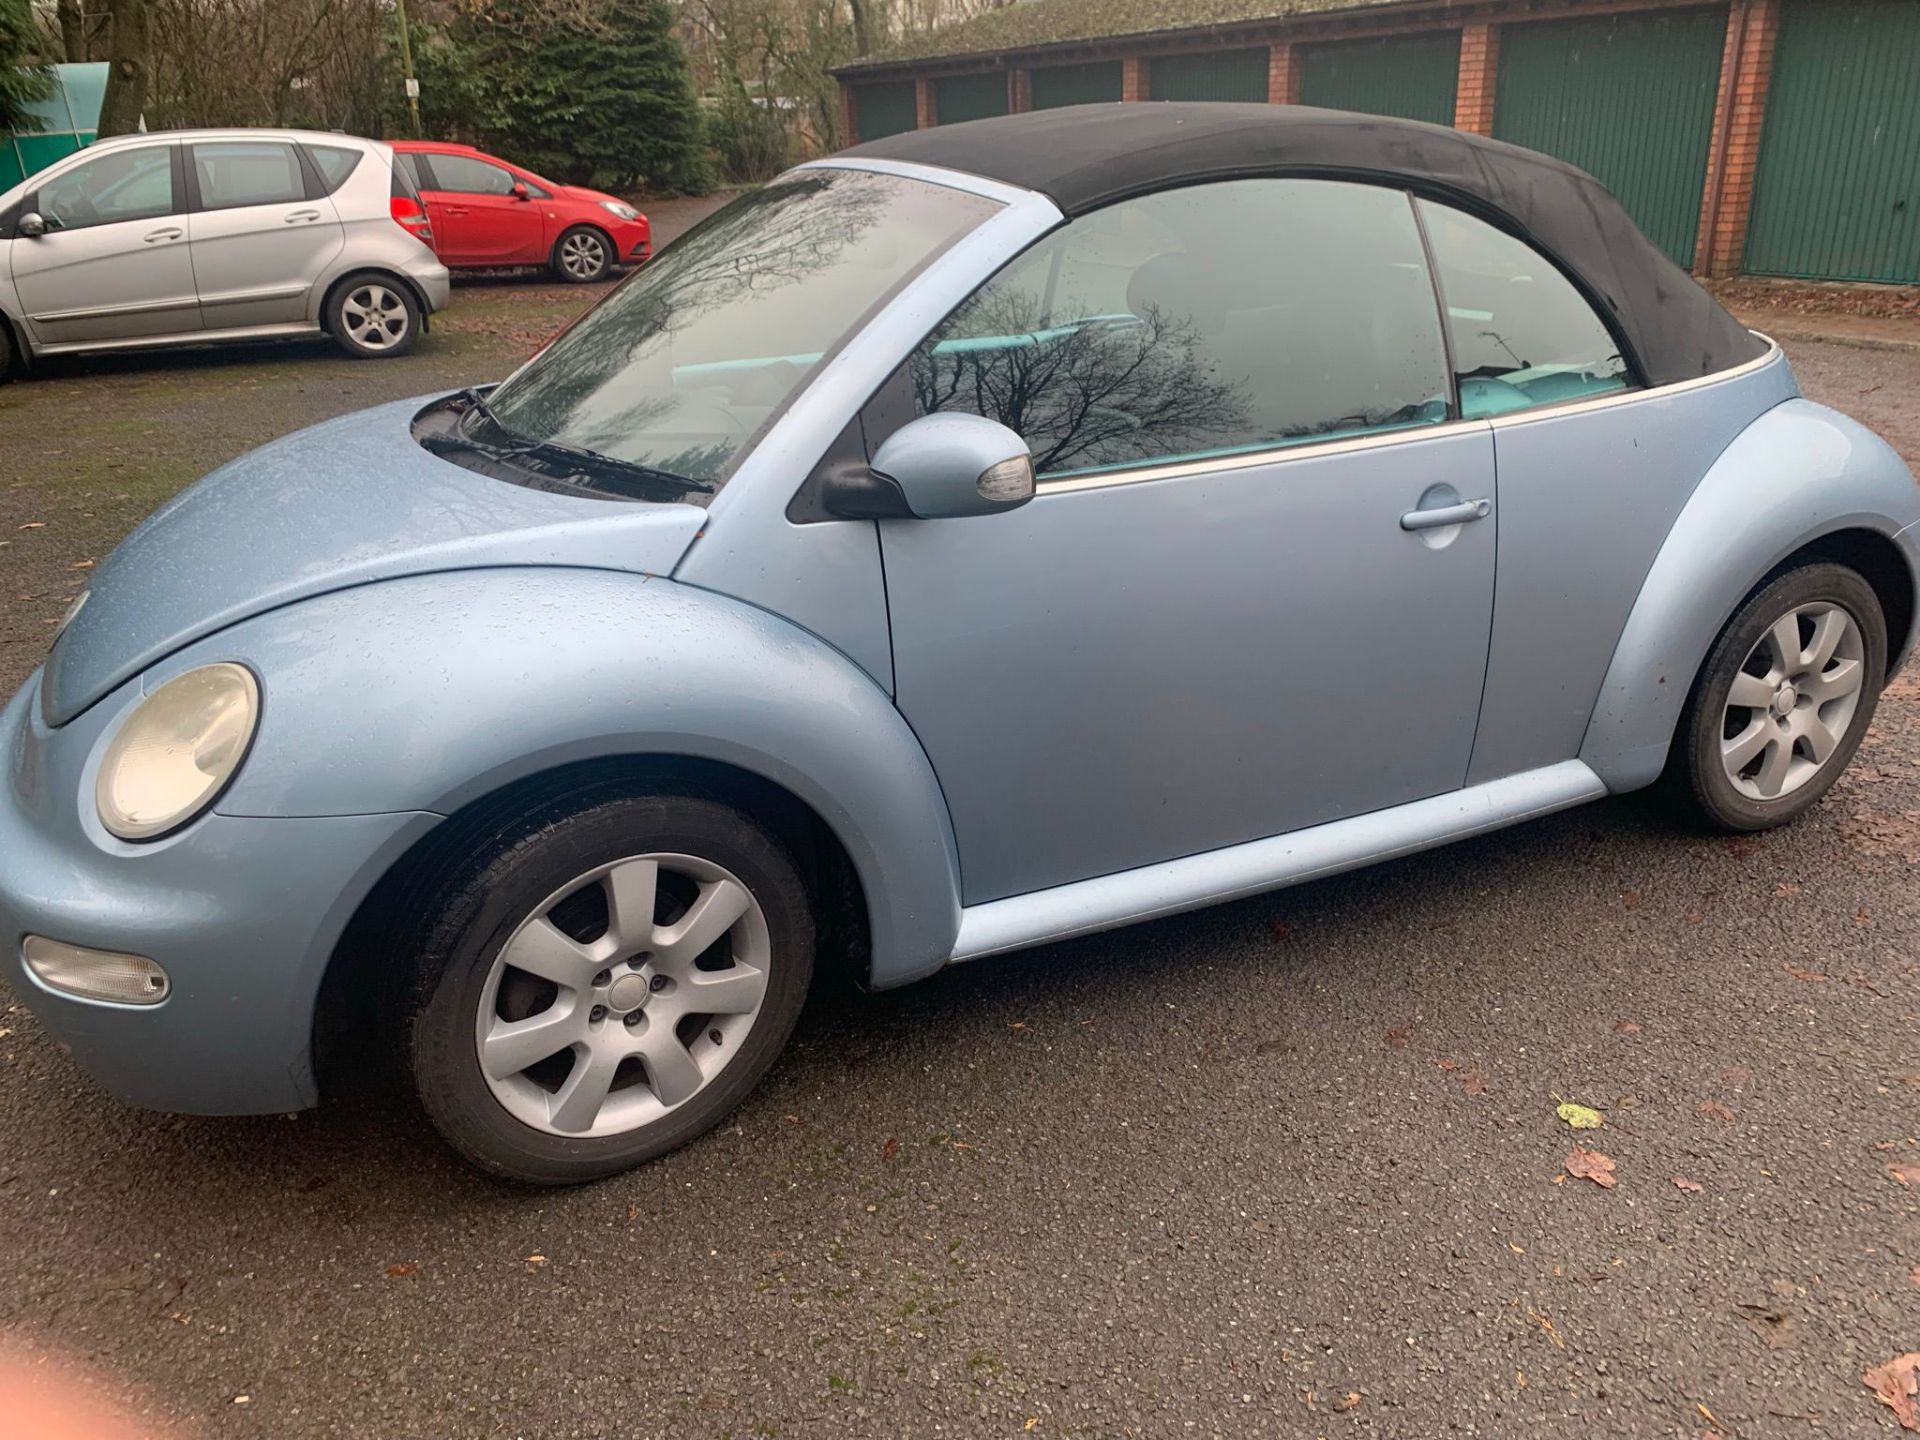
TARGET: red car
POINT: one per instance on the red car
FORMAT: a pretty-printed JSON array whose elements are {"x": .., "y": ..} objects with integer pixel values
[{"x": 486, "y": 212}]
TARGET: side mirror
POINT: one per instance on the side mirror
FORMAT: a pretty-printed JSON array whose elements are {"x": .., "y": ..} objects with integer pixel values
[
  {"x": 937, "y": 467},
  {"x": 30, "y": 225},
  {"x": 520, "y": 191}
]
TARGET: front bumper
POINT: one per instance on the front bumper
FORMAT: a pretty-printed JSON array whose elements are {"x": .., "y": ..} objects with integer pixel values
[{"x": 242, "y": 912}]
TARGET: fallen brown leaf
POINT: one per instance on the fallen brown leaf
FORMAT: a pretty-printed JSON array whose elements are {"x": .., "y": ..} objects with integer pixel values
[
  {"x": 1907, "y": 1172},
  {"x": 1585, "y": 1164},
  {"x": 34, "y": 525},
  {"x": 1630, "y": 899},
  {"x": 1895, "y": 1383},
  {"x": 1474, "y": 1081},
  {"x": 1626, "y": 1027},
  {"x": 891, "y": 1148},
  {"x": 1347, "y": 1401},
  {"x": 1785, "y": 889},
  {"x": 1736, "y": 1075},
  {"x": 1400, "y": 1034},
  {"x": 402, "y": 1270},
  {"x": 1446, "y": 1065},
  {"x": 1914, "y": 1275},
  {"x": 1680, "y": 1182},
  {"x": 1559, "y": 1341},
  {"x": 1714, "y": 1110},
  {"x": 1800, "y": 974}
]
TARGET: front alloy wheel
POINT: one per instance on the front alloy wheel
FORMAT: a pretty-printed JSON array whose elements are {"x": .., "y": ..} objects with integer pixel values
[
  {"x": 582, "y": 256},
  {"x": 607, "y": 982},
  {"x": 1783, "y": 700},
  {"x": 623, "y": 995}
]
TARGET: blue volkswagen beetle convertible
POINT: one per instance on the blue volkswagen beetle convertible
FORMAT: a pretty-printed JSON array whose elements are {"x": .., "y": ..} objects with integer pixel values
[{"x": 991, "y": 534}]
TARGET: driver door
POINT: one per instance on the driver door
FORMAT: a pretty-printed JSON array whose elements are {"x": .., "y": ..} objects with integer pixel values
[
  {"x": 477, "y": 219},
  {"x": 113, "y": 263},
  {"x": 1233, "y": 609}
]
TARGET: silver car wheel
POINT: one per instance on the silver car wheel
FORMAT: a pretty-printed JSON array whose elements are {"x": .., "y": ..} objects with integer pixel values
[
  {"x": 638, "y": 1018},
  {"x": 583, "y": 255},
  {"x": 1793, "y": 700},
  {"x": 374, "y": 317}
]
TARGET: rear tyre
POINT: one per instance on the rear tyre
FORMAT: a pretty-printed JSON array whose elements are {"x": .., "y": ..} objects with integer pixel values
[
  {"x": 1782, "y": 702},
  {"x": 9, "y": 355},
  {"x": 583, "y": 255},
  {"x": 373, "y": 317},
  {"x": 605, "y": 984}
]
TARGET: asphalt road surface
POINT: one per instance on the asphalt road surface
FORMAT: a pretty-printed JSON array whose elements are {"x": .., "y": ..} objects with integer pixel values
[{"x": 1287, "y": 1167}]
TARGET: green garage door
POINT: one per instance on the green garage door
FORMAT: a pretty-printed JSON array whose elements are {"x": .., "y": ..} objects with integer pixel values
[
  {"x": 969, "y": 97},
  {"x": 1412, "y": 76},
  {"x": 1076, "y": 84},
  {"x": 1628, "y": 99},
  {"x": 1837, "y": 192},
  {"x": 884, "y": 109},
  {"x": 1221, "y": 75}
]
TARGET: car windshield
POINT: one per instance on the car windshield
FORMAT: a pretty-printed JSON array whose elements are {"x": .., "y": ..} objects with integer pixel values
[{"x": 682, "y": 366}]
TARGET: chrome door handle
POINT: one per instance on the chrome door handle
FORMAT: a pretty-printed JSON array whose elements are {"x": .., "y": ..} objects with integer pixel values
[
  {"x": 1446, "y": 515},
  {"x": 302, "y": 215},
  {"x": 170, "y": 233}
]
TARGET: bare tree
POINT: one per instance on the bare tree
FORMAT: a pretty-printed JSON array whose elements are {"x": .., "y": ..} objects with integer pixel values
[{"x": 130, "y": 61}]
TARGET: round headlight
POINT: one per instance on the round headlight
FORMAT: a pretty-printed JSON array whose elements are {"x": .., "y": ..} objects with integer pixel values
[{"x": 176, "y": 750}]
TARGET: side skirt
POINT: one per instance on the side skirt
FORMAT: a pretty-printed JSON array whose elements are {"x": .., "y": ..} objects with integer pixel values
[
  {"x": 286, "y": 330},
  {"x": 1239, "y": 870}
]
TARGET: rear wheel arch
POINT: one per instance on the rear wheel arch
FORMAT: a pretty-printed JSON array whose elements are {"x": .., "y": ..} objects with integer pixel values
[
  {"x": 363, "y": 983},
  {"x": 366, "y": 272}
]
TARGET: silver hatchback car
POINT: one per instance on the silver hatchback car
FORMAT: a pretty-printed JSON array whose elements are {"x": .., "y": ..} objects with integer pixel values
[{"x": 192, "y": 236}]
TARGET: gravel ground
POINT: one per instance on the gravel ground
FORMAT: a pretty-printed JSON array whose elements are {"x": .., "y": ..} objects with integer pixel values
[{"x": 1286, "y": 1167}]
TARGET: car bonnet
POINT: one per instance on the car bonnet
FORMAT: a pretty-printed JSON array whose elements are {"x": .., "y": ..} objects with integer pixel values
[{"x": 349, "y": 502}]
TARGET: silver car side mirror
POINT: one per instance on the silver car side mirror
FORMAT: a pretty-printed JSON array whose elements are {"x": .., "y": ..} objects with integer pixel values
[
  {"x": 30, "y": 225},
  {"x": 939, "y": 467}
]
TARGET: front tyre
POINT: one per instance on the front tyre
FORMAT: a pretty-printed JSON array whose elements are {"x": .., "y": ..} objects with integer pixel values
[
  {"x": 373, "y": 317},
  {"x": 583, "y": 255},
  {"x": 606, "y": 984},
  {"x": 1783, "y": 700}
]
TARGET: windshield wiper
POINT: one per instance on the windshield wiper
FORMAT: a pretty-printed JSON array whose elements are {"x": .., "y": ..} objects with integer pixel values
[{"x": 610, "y": 468}]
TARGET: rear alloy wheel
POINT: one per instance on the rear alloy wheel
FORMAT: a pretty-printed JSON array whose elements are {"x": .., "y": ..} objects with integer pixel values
[
  {"x": 1784, "y": 699},
  {"x": 582, "y": 256},
  {"x": 608, "y": 987},
  {"x": 374, "y": 318}
]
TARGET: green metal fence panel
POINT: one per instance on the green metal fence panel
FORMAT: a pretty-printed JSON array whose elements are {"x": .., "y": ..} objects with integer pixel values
[
  {"x": 1412, "y": 76},
  {"x": 1076, "y": 84},
  {"x": 1837, "y": 192},
  {"x": 1627, "y": 98},
  {"x": 1215, "y": 75},
  {"x": 880, "y": 110},
  {"x": 969, "y": 97},
  {"x": 67, "y": 120}
]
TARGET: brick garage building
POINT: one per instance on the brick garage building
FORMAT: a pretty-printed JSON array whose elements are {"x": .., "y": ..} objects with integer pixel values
[{"x": 1770, "y": 137}]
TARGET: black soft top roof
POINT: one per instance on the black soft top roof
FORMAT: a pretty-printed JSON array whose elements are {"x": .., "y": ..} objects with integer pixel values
[{"x": 1086, "y": 156}]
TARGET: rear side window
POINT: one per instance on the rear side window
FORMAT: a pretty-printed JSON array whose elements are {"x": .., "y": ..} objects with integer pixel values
[
  {"x": 334, "y": 162},
  {"x": 247, "y": 172},
  {"x": 1202, "y": 322},
  {"x": 1521, "y": 334},
  {"x": 134, "y": 184}
]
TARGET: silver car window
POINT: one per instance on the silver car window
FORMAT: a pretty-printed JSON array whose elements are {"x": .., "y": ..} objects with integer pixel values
[
  {"x": 1211, "y": 320},
  {"x": 1522, "y": 335},
  {"x": 134, "y": 184},
  {"x": 233, "y": 173}
]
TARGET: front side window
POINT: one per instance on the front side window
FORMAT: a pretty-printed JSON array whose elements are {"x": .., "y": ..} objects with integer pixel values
[
  {"x": 1522, "y": 335},
  {"x": 119, "y": 185},
  {"x": 467, "y": 176},
  {"x": 233, "y": 173},
  {"x": 679, "y": 368},
  {"x": 1209, "y": 321}
]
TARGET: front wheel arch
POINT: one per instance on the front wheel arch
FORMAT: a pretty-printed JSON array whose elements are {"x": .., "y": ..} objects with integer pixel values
[{"x": 363, "y": 981}]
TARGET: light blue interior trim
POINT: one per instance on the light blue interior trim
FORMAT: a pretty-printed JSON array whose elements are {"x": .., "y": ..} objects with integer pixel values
[{"x": 1240, "y": 870}]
